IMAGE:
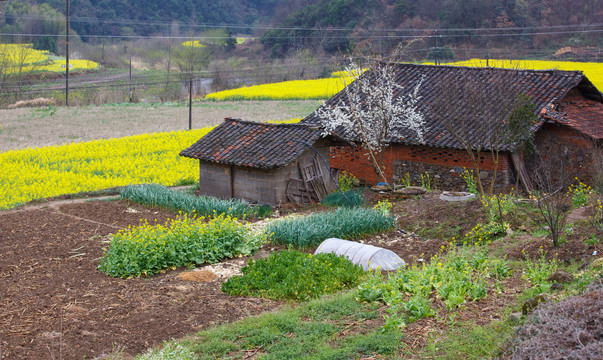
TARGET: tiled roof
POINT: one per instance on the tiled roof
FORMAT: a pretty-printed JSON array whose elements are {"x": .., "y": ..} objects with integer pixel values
[
  {"x": 585, "y": 116},
  {"x": 247, "y": 143},
  {"x": 545, "y": 88}
]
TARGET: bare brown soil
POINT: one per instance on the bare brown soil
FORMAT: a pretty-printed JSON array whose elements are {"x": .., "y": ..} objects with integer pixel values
[
  {"x": 35, "y": 127},
  {"x": 54, "y": 303}
]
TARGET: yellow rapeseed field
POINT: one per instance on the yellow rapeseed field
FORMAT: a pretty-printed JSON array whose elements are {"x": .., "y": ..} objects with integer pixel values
[
  {"x": 21, "y": 54},
  {"x": 286, "y": 90},
  {"x": 325, "y": 88},
  {"x": 14, "y": 56},
  {"x": 193, "y": 43},
  {"x": 64, "y": 169},
  {"x": 593, "y": 71}
]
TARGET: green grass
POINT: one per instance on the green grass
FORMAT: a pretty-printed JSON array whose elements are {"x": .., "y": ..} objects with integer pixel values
[
  {"x": 164, "y": 197},
  {"x": 295, "y": 275},
  {"x": 319, "y": 329},
  {"x": 468, "y": 341},
  {"x": 350, "y": 198},
  {"x": 346, "y": 223}
]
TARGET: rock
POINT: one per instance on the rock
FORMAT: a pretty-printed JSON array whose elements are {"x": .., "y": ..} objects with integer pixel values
[
  {"x": 456, "y": 196},
  {"x": 197, "y": 276},
  {"x": 411, "y": 190},
  {"x": 381, "y": 188},
  {"x": 560, "y": 276},
  {"x": 557, "y": 286},
  {"x": 515, "y": 317},
  {"x": 597, "y": 263},
  {"x": 483, "y": 175},
  {"x": 532, "y": 303}
]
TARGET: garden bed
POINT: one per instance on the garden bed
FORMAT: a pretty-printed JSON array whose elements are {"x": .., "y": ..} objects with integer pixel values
[
  {"x": 54, "y": 299},
  {"x": 56, "y": 304}
]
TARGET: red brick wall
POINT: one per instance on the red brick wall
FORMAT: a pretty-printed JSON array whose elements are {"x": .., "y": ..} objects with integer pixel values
[
  {"x": 356, "y": 160},
  {"x": 554, "y": 140}
]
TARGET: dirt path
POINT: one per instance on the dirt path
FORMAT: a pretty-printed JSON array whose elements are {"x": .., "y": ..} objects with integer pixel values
[
  {"x": 53, "y": 300},
  {"x": 55, "y": 303}
]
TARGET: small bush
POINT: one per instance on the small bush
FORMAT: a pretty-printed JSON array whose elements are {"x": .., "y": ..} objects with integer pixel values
[
  {"x": 570, "y": 329},
  {"x": 350, "y": 198},
  {"x": 164, "y": 197},
  {"x": 579, "y": 193},
  {"x": 347, "y": 181},
  {"x": 294, "y": 275},
  {"x": 461, "y": 275},
  {"x": 345, "y": 223},
  {"x": 146, "y": 249}
]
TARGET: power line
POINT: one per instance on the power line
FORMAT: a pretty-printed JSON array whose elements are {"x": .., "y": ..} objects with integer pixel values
[{"x": 185, "y": 24}]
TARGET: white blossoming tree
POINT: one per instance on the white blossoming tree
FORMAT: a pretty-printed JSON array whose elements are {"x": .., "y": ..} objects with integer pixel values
[{"x": 374, "y": 110}]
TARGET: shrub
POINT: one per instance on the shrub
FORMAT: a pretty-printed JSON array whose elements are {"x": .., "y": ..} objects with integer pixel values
[
  {"x": 347, "y": 181},
  {"x": 579, "y": 193},
  {"x": 146, "y": 249},
  {"x": 350, "y": 198},
  {"x": 161, "y": 196},
  {"x": 345, "y": 223},
  {"x": 294, "y": 275},
  {"x": 459, "y": 276},
  {"x": 483, "y": 234},
  {"x": 570, "y": 329}
]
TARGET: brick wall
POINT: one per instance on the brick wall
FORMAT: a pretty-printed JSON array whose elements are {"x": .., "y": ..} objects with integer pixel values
[
  {"x": 443, "y": 164},
  {"x": 554, "y": 141}
]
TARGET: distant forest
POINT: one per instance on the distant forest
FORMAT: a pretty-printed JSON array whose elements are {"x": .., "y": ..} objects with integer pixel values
[{"x": 325, "y": 25}]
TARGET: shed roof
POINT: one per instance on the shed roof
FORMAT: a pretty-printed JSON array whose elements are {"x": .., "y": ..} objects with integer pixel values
[
  {"x": 247, "y": 143},
  {"x": 584, "y": 116},
  {"x": 546, "y": 88}
]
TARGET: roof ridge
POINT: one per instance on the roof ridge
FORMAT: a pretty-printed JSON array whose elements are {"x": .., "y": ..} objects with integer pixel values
[
  {"x": 491, "y": 68},
  {"x": 251, "y": 122}
]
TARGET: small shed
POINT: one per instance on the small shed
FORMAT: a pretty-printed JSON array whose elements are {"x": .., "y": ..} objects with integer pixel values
[{"x": 264, "y": 163}]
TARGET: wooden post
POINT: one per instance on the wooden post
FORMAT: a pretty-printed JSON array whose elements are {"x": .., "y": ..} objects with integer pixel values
[
  {"x": 231, "y": 177},
  {"x": 130, "y": 81},
  {"x": 190, "y": 104},
  {"x": 67, "y": 56}
]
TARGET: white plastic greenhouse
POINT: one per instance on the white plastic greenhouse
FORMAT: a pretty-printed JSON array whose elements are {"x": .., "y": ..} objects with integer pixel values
[{"x": 367, "y": 256}]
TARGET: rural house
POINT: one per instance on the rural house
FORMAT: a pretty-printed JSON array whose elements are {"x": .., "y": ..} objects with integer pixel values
[
  {"x": 264, "y": 163},
  {"x": 568, "y": 106}
]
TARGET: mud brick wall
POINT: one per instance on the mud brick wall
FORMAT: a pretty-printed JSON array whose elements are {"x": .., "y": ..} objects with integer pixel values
[
  {"x": 265, "y": 186},
  {"x": 253, "y": 184},
  {"x": 555, "y": 141},
  {"x": 444, "y": 165}
]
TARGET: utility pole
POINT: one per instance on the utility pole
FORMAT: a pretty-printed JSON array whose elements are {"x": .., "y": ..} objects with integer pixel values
[
  {"x": 67, "y": 57},
  {"x": 437, "y": 48},
  {"x": 190, "y": 104},
  {"x": 130, "y": 82}
]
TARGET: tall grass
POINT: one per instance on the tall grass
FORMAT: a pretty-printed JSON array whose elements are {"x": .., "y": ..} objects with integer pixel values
[
  {"x": 164, "y": 197},
  {"x": 350, "y": 198},
  {"x": 346, "y": 223}
]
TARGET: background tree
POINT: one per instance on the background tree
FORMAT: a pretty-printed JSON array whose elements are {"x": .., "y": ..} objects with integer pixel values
[
  {"x": 552, "y": 176},
  {"x": 372, "y": 111}
]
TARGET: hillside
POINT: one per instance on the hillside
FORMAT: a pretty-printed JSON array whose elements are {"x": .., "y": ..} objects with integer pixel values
[{"x": 337, "y": 25}]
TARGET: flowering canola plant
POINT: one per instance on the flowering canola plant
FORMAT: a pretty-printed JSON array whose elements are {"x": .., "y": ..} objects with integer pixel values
[
  {"x": 286, "y": 90},
  {"x": 148, "y": 249},
  {"x": 37, "y": 173},
  {"x": 592, "y": 70},
  {"x": 14, "y": 56}
]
